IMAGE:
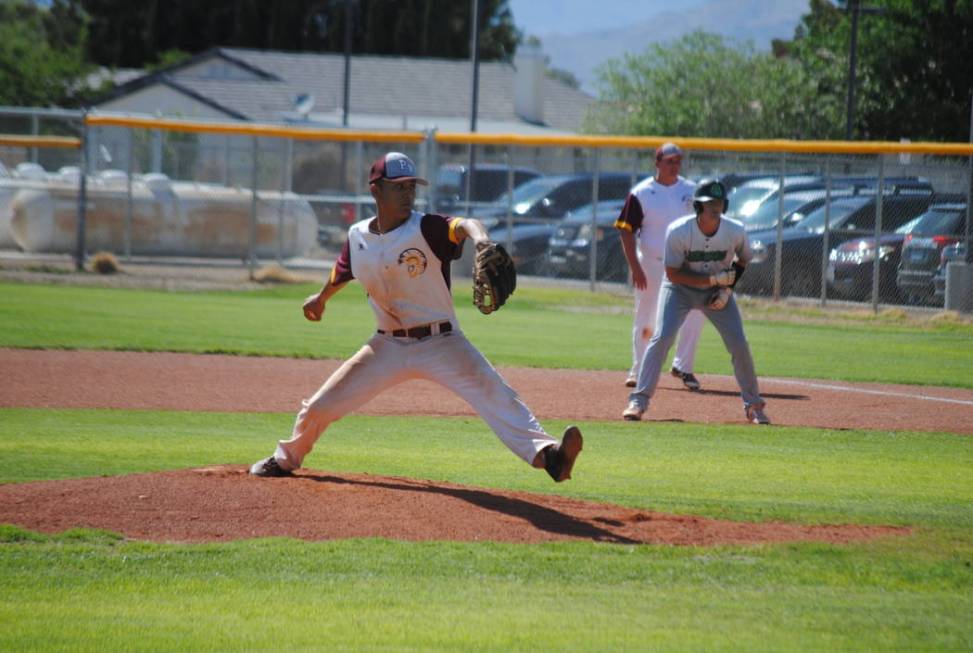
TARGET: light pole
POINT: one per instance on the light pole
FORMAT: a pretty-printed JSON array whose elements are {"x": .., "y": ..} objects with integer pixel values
[
  {"x": 475, "y": 61},
  {"x": 855, "y": 8}
]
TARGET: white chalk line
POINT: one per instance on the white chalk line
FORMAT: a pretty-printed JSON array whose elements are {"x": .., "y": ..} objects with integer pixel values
[{"x": 884, "y": 393}]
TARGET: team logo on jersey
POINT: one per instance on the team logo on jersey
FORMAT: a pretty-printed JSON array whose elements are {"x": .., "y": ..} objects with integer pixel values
[{"x": 414, "y": 260}]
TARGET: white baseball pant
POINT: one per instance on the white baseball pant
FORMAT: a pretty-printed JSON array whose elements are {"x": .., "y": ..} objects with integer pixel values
[
  {"x": 448, "y": 359},
  {"x": 644, "y": 323}
]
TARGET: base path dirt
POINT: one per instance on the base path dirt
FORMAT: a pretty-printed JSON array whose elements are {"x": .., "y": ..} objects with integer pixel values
[
  {"x": 167, "y": 381},
  {"x": 225, "y": 503}
]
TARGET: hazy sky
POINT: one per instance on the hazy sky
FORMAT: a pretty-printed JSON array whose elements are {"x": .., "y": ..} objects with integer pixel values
[{"x": 571, "y": 16}]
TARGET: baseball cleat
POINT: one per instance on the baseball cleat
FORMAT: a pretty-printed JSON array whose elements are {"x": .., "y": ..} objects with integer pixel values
[
  {"x": 631, "y": 381},
  {"x": 559, "y": 459},
  {"x": 756, "y": 415},
  {"x": 688, "y": 379},
  {"x": 268, "y": 467},
  {"x": 637, "y": 405}
]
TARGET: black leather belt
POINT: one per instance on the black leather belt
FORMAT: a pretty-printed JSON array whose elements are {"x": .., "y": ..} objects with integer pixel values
[{"x": 423, "y": 331}]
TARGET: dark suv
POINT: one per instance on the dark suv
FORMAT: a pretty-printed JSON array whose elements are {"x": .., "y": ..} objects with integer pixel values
[
  {"x": 942, "y": 225},
  {"x": 803, "y": 244},
  {"x": 537, "y": 208},
  {"x": 489, "y": 181},
  {"x": 570, "y": 246}
]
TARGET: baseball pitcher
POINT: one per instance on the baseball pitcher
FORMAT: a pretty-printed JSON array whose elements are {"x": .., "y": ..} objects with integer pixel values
[{"x": 402, "y": 258}]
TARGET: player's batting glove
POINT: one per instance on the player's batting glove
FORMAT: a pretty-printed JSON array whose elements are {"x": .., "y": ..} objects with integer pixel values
[
  {"x": 723, "y": 278},
  {"x": 720, "y": 298},
  {"x": 494, "y": 277}
]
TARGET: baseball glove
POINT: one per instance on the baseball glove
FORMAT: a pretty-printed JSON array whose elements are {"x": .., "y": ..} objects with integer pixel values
[
  {"x": 494, "y": 277},
  {"x": 720, "y": 298}
]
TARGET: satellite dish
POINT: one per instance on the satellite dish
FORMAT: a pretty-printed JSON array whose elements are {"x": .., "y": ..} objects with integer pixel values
[{"x": 303, "y": 104}]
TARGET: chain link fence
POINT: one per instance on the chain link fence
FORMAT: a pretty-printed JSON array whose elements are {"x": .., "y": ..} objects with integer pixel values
[{"x": 866, "y": 222}]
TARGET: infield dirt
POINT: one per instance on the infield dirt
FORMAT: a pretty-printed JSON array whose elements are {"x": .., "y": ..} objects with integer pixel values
[{"x": 224, "y": 503}]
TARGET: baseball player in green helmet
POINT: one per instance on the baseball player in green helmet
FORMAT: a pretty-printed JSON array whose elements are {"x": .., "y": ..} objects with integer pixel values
[{"x": 705, "y": 254}]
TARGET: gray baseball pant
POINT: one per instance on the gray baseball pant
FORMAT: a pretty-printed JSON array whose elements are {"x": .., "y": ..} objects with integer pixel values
[{"x": 675, "y": 302}]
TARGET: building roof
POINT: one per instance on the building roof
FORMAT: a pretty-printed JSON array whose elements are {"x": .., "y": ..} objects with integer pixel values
[{"x": 386, "y": 92}]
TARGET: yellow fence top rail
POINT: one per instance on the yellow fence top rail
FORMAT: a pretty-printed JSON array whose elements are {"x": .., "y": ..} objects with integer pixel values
[
  {"x": 15, "y": 140},
  {"x": 731, "y": 144},
  {"x": 634, "y": 142},
  {"x": 254, "y": 129}
]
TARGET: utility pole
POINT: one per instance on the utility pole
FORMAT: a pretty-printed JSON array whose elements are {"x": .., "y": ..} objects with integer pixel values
[
  {"x": 349, "y": 15},
  {"x": 475, "y": 60},
  {"x": 855, "y": 8}
]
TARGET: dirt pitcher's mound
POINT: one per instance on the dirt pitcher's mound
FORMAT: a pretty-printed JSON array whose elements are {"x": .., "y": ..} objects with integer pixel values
[{"x": 225, "y": 503}]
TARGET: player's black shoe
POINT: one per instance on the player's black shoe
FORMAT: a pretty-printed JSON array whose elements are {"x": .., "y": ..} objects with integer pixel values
[
  {"x": 268, "y": 467},
  {"x": 559, "y": 459},
  {"x": 688, "y": 379}
]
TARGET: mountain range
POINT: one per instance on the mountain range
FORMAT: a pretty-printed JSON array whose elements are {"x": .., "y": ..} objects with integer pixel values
[{"x": 581, "y": 52}]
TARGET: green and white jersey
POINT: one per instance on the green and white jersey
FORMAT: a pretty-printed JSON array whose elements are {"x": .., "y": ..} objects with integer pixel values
[{"x": 687, "y": 246}]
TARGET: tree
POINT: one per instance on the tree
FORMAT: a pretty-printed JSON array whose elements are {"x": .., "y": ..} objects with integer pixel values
[
  {"x": 41, "y": 53},
  {"x": 131, "y": 34},
  {"x": 700, "y": 85},
  {"x": 913, "y": 69}
]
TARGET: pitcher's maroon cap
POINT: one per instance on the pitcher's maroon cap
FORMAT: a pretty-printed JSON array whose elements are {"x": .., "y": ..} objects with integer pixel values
[{"x": 395, "y": 167}]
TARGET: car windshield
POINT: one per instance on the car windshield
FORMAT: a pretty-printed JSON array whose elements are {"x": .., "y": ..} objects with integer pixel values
[
  {"x": 533, "y": 190},
  {"x": 745, "y": 199},
  {"x": 450, "y": 177},
  {"x": 840, "y": 211},
  {"x": 605, "y": 207},
  {"x": 765, "y": 217},
  {"x": 938, "y": 221},
  {"x": 908, "y": 226}
]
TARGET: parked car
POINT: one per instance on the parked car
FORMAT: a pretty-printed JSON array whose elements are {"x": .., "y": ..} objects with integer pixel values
[
  {"x": 538, "y": 207},
  {"x": 748, "y": 196},
  {"x": 852, "y": 264},
  {"x": 752, "y": 196},
  {"x": 551, "y": 197},
  {"x": 569, "y": 249},
  {"x": 954, "y": 252},
  {"x": 488, "y": 182},
  {"x": 796, "y": 206},
  {"x": 922, "y": 251},
  {"x": 527, "y": 245},
  {"x": 801, "y": 255}
]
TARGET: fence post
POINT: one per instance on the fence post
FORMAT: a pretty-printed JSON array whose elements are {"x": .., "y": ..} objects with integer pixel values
[
  {"x": 252, "y": 240},
  {"x": 34, "y": 131},
  {"x": 156, "y": 150},
  {"x": 510, "y": 176},
  {"x": 285, "y": 186},
  {"x": 593, "y": 243},
  {"x": 433, "y": 151},
  {"x": 359, "y": 167},
  {"x": 825, "y": 245},
  {"x": 82, "y": 195},
  {"x": 778, "y": 255},
  {"x": 129, "y": 168},
  {"x": 879, "y": 203}
]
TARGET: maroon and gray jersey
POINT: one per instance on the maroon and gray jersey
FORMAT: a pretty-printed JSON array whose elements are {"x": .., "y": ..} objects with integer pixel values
[{"x": 404, "y": 271}]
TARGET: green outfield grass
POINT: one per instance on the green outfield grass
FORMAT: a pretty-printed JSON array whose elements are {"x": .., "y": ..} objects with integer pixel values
[
  {"x": 87, "y": 590},
  {"x": 541, "y": 327},
  {"x": 93, "y": 591}
]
